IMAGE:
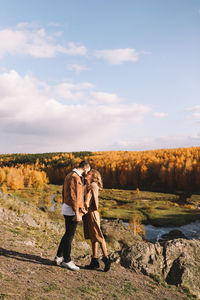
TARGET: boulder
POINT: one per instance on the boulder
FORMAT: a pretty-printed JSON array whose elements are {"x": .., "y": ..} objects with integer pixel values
[
  {"x": 117, "y": 234},
  {"x": 176, "y": 261},
  {"x": 173, "y": 234},
  {"x": 145, "y": 257},
  {"x": 182, "y": 264}
]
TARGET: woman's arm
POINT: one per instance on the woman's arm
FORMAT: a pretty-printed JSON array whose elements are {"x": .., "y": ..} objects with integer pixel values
[
  {"x": 95, "y": 193},
  {"x": 88, "y": 200}
]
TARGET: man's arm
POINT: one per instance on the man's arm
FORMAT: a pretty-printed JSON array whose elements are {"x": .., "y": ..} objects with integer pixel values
[
  {"x": 74, "y": 185},
  {"x": 63, "y": 193}
]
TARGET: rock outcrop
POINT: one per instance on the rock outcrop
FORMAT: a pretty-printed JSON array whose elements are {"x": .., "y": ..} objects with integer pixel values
[
  {"x": 117, "y": 234},
  {"x": 173, "y": 234},
  {"x": 176, "y": 261},
  {"x": 145, "y": 257}
]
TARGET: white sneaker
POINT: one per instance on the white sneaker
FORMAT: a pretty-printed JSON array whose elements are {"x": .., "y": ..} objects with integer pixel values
[
  {"x": 58, "y": 260},
  {"x": 70, "y": 265}
]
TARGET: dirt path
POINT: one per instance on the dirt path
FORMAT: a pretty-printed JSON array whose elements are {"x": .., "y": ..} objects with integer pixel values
[{"x": 26, "y": 272}]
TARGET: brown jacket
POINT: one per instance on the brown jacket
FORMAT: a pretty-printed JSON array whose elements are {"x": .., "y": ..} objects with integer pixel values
[
  {"x": 92, "y": 197},
  {"x": 73, "y": 191},
  {"x": 91, "y": 220}
]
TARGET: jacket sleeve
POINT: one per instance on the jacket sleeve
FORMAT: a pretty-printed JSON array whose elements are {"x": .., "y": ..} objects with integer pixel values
[
  {"x": 95, "y": 193},
  {"x": 63, "y": 193},
  {"x": 74, "y": 194}
]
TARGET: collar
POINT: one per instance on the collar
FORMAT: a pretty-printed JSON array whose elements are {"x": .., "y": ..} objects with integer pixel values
[{"x": 77, "y": 172}]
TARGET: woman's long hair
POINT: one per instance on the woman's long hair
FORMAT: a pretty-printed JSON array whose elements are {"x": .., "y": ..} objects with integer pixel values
[{"x": 96, "y": 177}]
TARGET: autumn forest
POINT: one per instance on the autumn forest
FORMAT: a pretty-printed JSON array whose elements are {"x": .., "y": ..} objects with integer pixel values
[{"x": 167, "y": 170}]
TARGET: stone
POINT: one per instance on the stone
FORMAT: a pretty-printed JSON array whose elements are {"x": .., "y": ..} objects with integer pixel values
[
  {"x": 3, "y": 214},
  {"x": 8, "y": 215},
  {"x": 173, "y": 234},
  {"x": 29, "y": 220},
  {"x": 145, "y": 257},
  {"x": 117, "y": 234},
  {"x": 176, "y": 261},
  {"x": 182, "y": 264},
  {"x": 30, "y": 243}
]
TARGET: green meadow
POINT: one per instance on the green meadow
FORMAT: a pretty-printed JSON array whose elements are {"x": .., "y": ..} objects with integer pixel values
[{"x": 158, "y": 209}]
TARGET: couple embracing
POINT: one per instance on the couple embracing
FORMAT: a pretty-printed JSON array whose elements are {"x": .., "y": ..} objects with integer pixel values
[{"x": 80, "y": 203}]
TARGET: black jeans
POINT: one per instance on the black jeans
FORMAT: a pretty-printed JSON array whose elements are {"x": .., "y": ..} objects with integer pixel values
[{"x": 64, "y": 248}]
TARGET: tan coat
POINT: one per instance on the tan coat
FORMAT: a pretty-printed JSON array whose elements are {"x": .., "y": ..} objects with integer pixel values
[
  {"x": 73, "y": 191},
  {"x": 91, "y": 220}
]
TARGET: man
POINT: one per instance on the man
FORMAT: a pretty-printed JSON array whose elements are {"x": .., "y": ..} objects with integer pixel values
[{"x": 73, "y": 194}]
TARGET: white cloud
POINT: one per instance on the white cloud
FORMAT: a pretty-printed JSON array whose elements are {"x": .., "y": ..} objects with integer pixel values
[
  {"x": 100, "y": 97},
  {"x": 160, "y": 114},
  {"x": 76, "y": 49},
  {"x": 77, "y": 68},
  {"x": 125, "y": 113},
  {"x": 71, "y": 91},
  {"x": 152, "y": 143},
  {"x": 194, "y": 113},
  {"x": 118, "y": 56},
  {"x": 34, "y": 118},
  {"x": 27, "y": 39}
]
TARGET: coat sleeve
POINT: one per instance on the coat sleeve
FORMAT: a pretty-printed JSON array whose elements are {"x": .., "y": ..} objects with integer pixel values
[
  {"x": 74, "y": 194},
  {"x": 63, "y": 193}
]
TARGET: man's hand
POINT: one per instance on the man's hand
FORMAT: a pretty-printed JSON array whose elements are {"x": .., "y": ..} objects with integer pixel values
[
  {"x": 86, "y": 205},
  {"x": 77, "y": 218}
]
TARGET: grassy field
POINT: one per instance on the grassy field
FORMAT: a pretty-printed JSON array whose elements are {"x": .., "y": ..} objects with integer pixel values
[{"x": 158, "y": 209}]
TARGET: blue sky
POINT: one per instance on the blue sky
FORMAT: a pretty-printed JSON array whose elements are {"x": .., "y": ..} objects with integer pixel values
[{"x": 99, "y": 75}]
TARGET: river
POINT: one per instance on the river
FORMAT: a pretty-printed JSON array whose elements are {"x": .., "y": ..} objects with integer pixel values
[
  {"x": 53, "y": 207},
  {"x": 191, "y": 231}
]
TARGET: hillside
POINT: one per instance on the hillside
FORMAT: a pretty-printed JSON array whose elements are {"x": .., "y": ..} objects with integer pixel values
[{"x": 28, "y": 244}]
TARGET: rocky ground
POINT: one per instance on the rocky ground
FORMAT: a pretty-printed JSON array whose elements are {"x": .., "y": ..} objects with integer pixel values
[
  {"x": 28, "y": 243},
  {"x": 176, "y": 261}
]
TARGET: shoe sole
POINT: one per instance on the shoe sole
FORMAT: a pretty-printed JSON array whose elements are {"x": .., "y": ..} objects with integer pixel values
[{"x": 65, "y": 267}]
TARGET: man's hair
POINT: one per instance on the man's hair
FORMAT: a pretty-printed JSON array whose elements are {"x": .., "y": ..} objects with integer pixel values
[{"x": 83, "y": 164}]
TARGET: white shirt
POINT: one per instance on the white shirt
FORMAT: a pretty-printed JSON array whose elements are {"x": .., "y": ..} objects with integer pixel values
[{"x": 66, "y": 209}]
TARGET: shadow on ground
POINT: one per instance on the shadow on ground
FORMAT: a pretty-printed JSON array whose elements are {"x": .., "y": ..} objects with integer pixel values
[{"x": 31, "y": 258}]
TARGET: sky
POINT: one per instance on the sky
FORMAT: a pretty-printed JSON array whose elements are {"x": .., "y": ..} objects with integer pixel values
[{"x": 99, "y": 75}]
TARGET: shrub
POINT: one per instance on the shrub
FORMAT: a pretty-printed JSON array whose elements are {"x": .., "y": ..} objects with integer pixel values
[{"x": 135, "y": 224}]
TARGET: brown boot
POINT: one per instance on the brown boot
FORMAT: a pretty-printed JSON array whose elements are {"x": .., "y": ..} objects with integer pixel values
[
  {"x": 94, "y": 264},
  {"x": 107, "y": 263}
]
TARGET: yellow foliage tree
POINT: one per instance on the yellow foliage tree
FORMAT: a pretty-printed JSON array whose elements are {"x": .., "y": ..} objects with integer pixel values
[
  {"x": 15, "y": 179},
  {"x": 2, "y": 175},
  {"x": 135, "y": 224}
]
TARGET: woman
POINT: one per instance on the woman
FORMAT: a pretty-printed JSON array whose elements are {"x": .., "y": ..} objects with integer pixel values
[{"x": 91, "y": 220}]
